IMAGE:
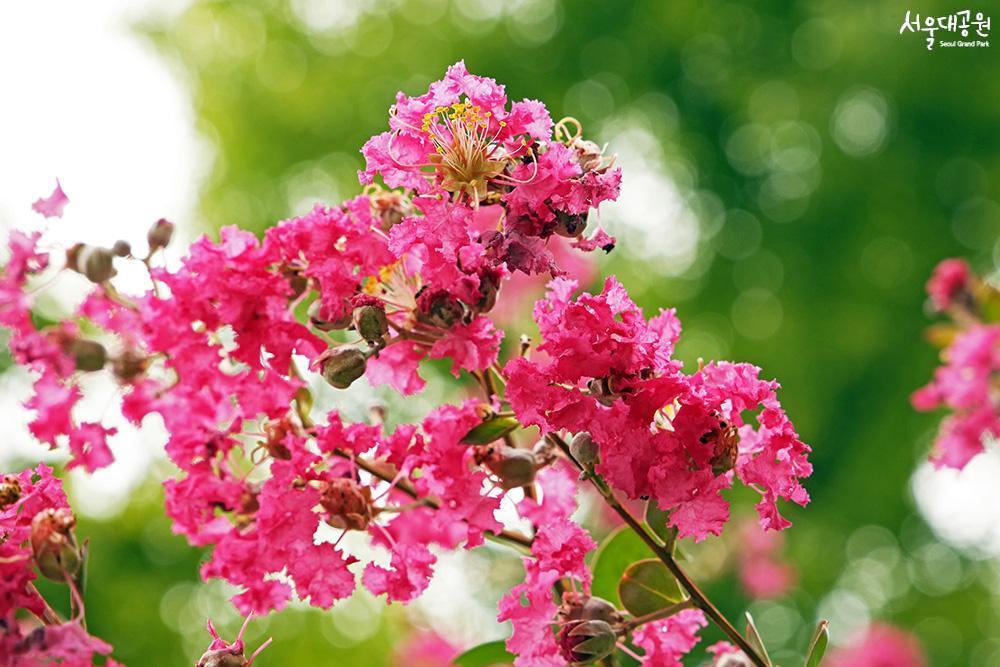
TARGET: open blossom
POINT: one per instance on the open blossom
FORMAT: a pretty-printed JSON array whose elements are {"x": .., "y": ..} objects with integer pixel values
[
  {"x": 462, "y": 142},
  {"x": 662, "y": 434},
  {"x": 558, "y": 551},
  {"x": 881, "y": 646},
  {"x": 36, "y": 535},
  {"x": 965, "y": 384},
  {"x": 951, "y": 278},
  {"x": 667, "y": 641},
  {"x": 489, "y": 193}
]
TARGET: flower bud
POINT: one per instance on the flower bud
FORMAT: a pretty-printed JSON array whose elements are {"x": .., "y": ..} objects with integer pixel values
[
  {"x": 53, "y": 544},
  {"x": 584, "y": 449},
  {"x": 10, "y": 491},
  {"x": 439, "y": 308},
  {"x": 348, "y": 503},
  {"x": 489, "y": 290},
  {"x": 581, "y": 607},
  {"x": 544, "y": 453},
  {"x": 97, "y": 264},
  {"x": 159, "y": 235},
  {"x": 514, "y": 467},
  {"x": 89, "y": 354},
  {"x": 343, "y": 365},
  {"x": 317, "y": 320},
  {"x": 121, "y": 249},
  {"x": 223, "y": 657},
  {"x": 128, "y": 365},
  {"x": 586, "y": 642},
  {"x": 570, "y": 225},
  {"x": 369, "y": 318}
]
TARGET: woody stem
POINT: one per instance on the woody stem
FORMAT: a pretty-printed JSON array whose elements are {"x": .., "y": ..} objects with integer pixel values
[
  {"x": 666, "y": 557},
  {"x": 670, "y": 610},
  {"x": 404, "y": 485}
]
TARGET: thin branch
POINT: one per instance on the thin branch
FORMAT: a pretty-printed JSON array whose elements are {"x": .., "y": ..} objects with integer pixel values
[{"x": 667, "y": 558}]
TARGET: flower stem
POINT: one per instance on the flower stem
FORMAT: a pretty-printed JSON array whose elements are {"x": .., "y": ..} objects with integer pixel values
[
  {"x": 670, "y": 610},
  {"x": 666, "y": 557}
]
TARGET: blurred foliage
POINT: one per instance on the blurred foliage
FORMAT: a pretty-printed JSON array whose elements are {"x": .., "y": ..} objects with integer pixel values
[{"x": 829, "y": 160}]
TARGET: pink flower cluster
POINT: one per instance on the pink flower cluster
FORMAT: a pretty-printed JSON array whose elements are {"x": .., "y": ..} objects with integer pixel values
[
  {"x": 36, "y": 534},
  {"x": 219, "y": 348},
  {"x": 966, "y": 383},
  {"x": 680, "y": 439}
]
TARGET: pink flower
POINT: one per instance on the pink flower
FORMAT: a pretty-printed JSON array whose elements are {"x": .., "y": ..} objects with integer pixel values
[
  {"x": 964, "y": 384},
  {"x": 949, "y": 280},
  {"x": 23, "y": 498},
  {"x": 666, "y": 641},
  {"x": 53, "y": 205},
  {"x": 558, "y": 551},
  {"x": 662, "y": 434},
  {"x": 412, "y": 566},
  {"x": 881, "y": 646},
  {"x": 89, "y": 445}
]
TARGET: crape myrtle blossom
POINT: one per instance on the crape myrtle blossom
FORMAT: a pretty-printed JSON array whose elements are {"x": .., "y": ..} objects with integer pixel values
[
  {"x": 676, "y": 438},
  {"x": 465, "y": 193},
  {"x": 966, "y": 382},
  {"x": 37, "y": 537}
]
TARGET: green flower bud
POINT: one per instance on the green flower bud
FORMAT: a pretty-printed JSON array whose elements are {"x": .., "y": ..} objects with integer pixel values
[
  {"x": 570, "y": 225},
  {"x": 121, "y": 249},
  {"x": 53, "y": 544},
  {"x": 344, "y": 365},
  {"x": 586, "y": 642},
  {"x": 584, "y": 449},
  {"x": 581, "y": 607},
  {"x": 159, "y": 235},
  {"x": 97, "y": 264},
  {"x": 371, "y": 323},
  {"x": 89, "y": 354},
  {"x": 514, "y": 467}
]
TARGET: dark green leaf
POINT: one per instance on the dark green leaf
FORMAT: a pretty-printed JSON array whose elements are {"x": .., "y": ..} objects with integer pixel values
[
  {"x": 817, "y": 647},
  {"x": 656, "y": 519},
  {"x": 485, "y": 655},
  {"x": 618, "y": 550},
  {"x": 648, "y": 586},
  {"x": 490, "y": 430}
]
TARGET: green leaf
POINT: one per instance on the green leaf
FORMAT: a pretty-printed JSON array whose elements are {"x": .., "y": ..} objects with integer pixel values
[
  {"x": 656, "y": 519},
  {"x": 490, "y": 430},
  {"x": 817, "y": 647},
  {"x": 485, "y": 655},
  {"x": 753, "y": 637},
  {"x": 618, "y": 550},
  {"x": 648, "y": 586}
]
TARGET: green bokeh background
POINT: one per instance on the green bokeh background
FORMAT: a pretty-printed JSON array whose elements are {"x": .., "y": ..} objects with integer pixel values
[{"x": 817, "y": 276}]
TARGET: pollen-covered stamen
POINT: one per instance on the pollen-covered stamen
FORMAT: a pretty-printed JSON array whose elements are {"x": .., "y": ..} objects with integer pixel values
[{"x": 468, "y": 154}]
